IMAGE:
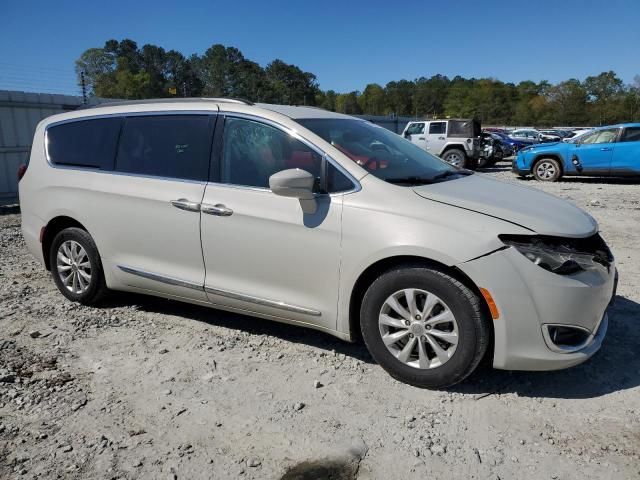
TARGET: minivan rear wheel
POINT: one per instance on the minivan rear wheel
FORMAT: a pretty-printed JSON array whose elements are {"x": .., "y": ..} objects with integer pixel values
[
  {"x": 424, "y": 327},
  {"x": 76, "y": 267}
]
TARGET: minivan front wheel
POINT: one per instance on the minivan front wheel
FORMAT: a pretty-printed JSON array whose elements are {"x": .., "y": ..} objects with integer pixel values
[
  {"x": 76, "y": 267},
  {"x": 424, "y": 327}
]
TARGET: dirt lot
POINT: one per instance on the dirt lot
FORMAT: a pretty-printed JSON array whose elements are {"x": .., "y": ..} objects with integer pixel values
[{"x": 148, "y": 388}]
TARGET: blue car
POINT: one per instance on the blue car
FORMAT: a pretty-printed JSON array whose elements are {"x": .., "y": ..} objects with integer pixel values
[
  {"x": 604, "y": 151},
  {"x": 514, "y": 144}
]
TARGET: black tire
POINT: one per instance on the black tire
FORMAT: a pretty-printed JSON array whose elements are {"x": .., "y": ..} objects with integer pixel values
[
  {"x": 547, "y": 170},
  {"x": 498, "y": 155},
  {"x": 97, "y": 288},
  {"x": 456, "y": 157},
  {"x": 472, "y": 321}
]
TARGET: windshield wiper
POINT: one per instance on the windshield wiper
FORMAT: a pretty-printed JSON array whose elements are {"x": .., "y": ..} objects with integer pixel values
[
  {"x": 411, "y": 180},
  {"x": 450, "y": 173}
]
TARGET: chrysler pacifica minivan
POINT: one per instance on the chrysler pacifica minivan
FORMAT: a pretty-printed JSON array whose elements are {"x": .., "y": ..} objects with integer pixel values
[{"x": 314, "y": 218}]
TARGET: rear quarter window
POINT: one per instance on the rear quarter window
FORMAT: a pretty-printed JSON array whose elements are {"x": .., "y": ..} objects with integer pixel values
[{"x": 87, "y": 143}]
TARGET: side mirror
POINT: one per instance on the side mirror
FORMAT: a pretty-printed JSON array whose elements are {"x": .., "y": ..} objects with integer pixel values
[
  {"x": 295, "y": 183},
  {"x": 407, "y": 135}
]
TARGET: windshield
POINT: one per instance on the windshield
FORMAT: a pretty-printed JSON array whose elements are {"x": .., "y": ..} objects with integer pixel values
[{"x": 381, "y": 152}]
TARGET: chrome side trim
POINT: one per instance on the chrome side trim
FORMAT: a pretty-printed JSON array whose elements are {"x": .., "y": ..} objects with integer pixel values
[
  {"x": 216, "y": 291},
  {"x": 161, "y": 278},
  {"x": 262, "y": 301}
]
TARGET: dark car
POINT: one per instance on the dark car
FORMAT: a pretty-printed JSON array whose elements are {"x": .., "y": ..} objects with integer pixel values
[{"x": 515, "y": 144}]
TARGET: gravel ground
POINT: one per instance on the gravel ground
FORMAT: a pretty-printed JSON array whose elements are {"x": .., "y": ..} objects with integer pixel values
[{"x": 149, "y": 388}]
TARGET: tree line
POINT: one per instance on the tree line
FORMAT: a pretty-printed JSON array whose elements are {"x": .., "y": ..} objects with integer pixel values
[{"x": 122, "y": 69}]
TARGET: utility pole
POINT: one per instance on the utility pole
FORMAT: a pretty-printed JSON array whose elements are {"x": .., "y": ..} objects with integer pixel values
[{"x": 84, "y": 88}]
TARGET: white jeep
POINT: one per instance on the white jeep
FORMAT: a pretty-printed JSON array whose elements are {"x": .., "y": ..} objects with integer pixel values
[{"x": 455, "y": 141}]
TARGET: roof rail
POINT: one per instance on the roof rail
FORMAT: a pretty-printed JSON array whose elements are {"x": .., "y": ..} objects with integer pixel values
[{"x": 167, "y": 100}]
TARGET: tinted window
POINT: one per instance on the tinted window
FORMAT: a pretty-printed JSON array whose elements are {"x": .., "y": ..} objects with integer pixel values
[
  {"x": 253, "y": 151},
  {"x": 337, "y": 181},
  {"x": 173, "y": 146},
  {"x": 437, "y": 128},
  {"x": 85, "y": 143},
  {"x": 631, "y": 134},
  {"x": 415, "y": 129}
]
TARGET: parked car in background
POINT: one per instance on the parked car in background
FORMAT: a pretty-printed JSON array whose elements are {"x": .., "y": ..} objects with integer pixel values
[
  {"x": 550, "y": 135},
  {"x": 515, "y": 143},
  {"x": 603, "y": 151},
  {"x": 316, "y": 219},
  {"x": 576, "y": 133},
  {"x": 535, "y": 135},
  {"x": 526, "y": 133},
  {"x": 493, "y": 148},
  {"x": 455, "y": 141}
]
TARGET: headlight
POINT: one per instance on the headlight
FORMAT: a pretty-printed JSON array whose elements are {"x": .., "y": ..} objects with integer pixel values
[{"x": 562, "y": 256}]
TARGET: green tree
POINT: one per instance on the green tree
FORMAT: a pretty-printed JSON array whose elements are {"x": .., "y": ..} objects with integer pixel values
[
  {"x": 604, "y": 90},
  {"x": 348, "y": 103},
  {"x": 373, "y": 100},
  {"x": 400, "y": 97}
]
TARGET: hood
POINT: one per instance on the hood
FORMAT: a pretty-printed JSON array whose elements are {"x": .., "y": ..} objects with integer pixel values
[
  {"x": 545, "y": 146},
  {"x": 527, "y": 207}
]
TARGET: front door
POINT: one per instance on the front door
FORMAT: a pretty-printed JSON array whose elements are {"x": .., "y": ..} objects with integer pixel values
[
  {"x": 415, "y": 133},
  {"x": 436, "y": 137},
  {"x": 595, "y": 150},
  {"x": 262, "y": 253}
]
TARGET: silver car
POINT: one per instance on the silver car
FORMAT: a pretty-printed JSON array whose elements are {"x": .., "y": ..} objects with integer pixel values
[{"x": 318, "y": 219}]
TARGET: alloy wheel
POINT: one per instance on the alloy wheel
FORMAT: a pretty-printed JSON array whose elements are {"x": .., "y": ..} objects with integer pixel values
[
  {"x": 418, "y": 328},
  {"x": 454, "y": 159},
  {"x": 546, "y": 170},
  {"x": 74, "y": 267}
]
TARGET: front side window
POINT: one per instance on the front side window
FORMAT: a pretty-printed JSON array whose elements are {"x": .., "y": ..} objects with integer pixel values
[
  {"x": 84, "y": 143},
  {"x": 631, "y": 134},
  {"x": 437, "y": 128},
  {"x": 382, "y": 153},
  {"x": 253, "y": 151},
  {"x": 601, "y": 136},
  {"x": 171, "y": 146},
  {"x": 415, "y": 129}
]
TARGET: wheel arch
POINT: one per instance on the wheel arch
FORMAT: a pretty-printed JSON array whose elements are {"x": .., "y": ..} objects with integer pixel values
[
  {"x": 538, "y": 158},
  {"x": 53, "y": 227},
  {"x": 454, "y": 146},
  {"x": 373, "y": 271}
]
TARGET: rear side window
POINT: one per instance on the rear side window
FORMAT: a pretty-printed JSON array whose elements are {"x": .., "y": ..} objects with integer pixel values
[
  {"x": 437, "y": 128},
  {"x": 85, "y": 143},
  {"x": 171, "y": 146},
  {"x": 631, "y": 134}
]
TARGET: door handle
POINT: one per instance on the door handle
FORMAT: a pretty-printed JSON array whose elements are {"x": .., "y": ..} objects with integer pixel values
[
  {"x": 606, "y": 149},
  {"x": 218, "y": 209},
  {"x": 184, "y": 204},
  {"x": 420, "y": 138},
  {"x": 441, "y": 138}
]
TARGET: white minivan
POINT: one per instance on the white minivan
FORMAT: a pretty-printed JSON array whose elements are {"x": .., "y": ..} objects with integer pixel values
[{"x": 317, "y": 219}]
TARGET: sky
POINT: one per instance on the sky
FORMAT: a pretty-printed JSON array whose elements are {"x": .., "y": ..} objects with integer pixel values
[{"x": 346, "y": 44}]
